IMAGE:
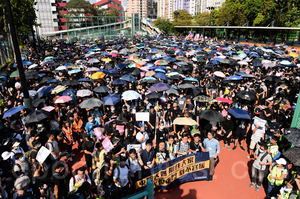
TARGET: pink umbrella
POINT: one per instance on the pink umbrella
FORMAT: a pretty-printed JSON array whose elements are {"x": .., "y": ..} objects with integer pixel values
[
  {"x": 219, "y": 74},
  {"x": 224, "y": 100},
  {"x": 48, "y": 108},
  {"x": 63, "y": 99}
]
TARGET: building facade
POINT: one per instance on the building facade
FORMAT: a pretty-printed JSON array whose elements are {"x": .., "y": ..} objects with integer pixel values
[
  {"x": 188, "y": 5},
  {"x": 165, "y": 9},
  {"x": 137, "y": 6}
]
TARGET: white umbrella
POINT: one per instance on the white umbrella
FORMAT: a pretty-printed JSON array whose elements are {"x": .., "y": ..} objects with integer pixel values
[
  {"x": 94, "y": 60},
  {"x": 130, "y": 95},
  {"x": 61, "y": 68},
  {"x": 84, "y": 93},
  {"x": 219, "y": 74},
  {"x": 32, "y": 66},
  {"x": 92, "y": 69}
]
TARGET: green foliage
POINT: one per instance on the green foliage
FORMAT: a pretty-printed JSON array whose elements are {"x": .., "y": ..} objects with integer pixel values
[
  {"x": 182, "y": 18},
  {"x": 79, "y": 7},
  {"x": 114, "y": 12},
  {"x": 203, "y": 19},
  {"x": 165, "y": 25}
]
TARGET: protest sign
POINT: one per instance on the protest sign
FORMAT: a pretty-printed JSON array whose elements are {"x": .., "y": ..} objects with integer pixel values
[
  {"x": 142, "y": 116},
  {"x": 42, "y": 154},
  {"x": 107, "y": 145},
  {"x": 137, "y": 147},
  {"x": 98, "y": 133},
  {"x": 120, "y": 128},
  {"x": 188, "y": 168},
  {"x": 259, "y": 121}
]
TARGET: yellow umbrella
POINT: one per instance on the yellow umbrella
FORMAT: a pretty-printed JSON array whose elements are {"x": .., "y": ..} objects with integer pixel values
[
  {"x": 293, "y": 55},
  {"x": 58, "y": 89},
  {"x": 98, "y": 75},
  {"x": 185, "y": 121},
  {"x": 106, "y": 59}
]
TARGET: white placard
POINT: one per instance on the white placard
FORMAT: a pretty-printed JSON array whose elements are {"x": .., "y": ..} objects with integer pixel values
[
  {"x": 142, "y": 116},
  {"x": 259, "y": 121},
  {"x": 137, "y": 147},
  {"x": 42, "y": 154}
]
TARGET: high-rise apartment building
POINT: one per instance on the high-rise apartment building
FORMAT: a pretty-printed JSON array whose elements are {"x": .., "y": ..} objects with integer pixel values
[
  {"x": 188, "y": 5},
  {"x": 137, "y": 6},
  {"x": 165, "y": 9}
]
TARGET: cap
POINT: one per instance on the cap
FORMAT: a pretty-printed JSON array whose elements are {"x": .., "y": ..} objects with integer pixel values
[
  {"x": 16, "y": 144},
  {"x": 5, "y": 155},
  {"x": 22, "y": 182},
  {"x": 281, "y": 161}
]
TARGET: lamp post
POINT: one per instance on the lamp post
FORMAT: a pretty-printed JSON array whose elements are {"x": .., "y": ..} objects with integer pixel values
[
  {"x": 210, "y": 22},
  {"x": 27, "y": 99}
]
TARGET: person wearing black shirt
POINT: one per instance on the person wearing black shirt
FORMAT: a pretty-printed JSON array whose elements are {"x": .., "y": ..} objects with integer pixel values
[
  {"x": 162, "y": 155},
  {"x": 282, "y": 142},
  {"x": 152, "y": 118},
  {"x": 125, "y": 115},
  {"x": 243, "y": 127},
  {"x": 227, "y": 129},
  {"x": 161, "y": 134},
  {"x": 129, "y": 140},
  {"x": 196, "y": 145},
  {"x": 88, "y": 148},
  {"x": 106, "y": 174},
  {"x": 175, "y": 111},
  {"x": 59, "y": 181},
  {"x": 147, "y": 159}
]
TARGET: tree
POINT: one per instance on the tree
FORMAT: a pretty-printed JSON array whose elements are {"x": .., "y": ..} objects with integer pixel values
[
  {"x": 164, "y": 25},
  {"x": 203, "y": 19},
  {"x": 114, "y": 12},
  {"x": 182, "y": 18},
  {"x": 80, "y": 8}
]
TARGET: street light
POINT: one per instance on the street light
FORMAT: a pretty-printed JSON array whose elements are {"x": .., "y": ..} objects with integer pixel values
[{"x": 27, "y": 99}]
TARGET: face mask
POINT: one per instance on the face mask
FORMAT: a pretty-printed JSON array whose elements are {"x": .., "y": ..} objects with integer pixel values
[
  {"x": 91, "y": 121},
  {"x": 39, "y": 145},
  {"x": 1, "y": 172},
  {"x": 260, "y": 150},
  {"x": 112, "y": 109},
  {"x": 14, "y": 121},
  {"x": 22, "y": 159},
  {"x": 181, "y": 96},
  {"x": 174, "y": 98},
  {"x": 96, "y": 109},
  {"x": 3, "y": 187},
  {"x": 225, "y": 107},
  {"x": 117, "y": 91},
  {"x": 161, "y": 127},
  {"x": 203, "y": 109}
]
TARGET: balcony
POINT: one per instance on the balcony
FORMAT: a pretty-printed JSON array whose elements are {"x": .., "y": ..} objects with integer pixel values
[
  {"x": 63, "y": 12},
  {"x": 53, "y": 8}
]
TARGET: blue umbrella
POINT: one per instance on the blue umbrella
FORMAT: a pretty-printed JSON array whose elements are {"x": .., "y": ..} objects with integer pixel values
[
  {"x": 160, "y": 71},
  {"x": 104, "y": 71},
  {"x": 214, "y": 61},
  {"x": 53, "y": 81},
  {"x": 45, "y": 91},
  {"x": 191, "y": 79},
  {"x": 128, "y": 78},
  {"x": 159, "y": 87},
  {"x": 74, "y": 71},
  {"x": 119, "y": 82},
  {"x": 111, "y": 99},
  {"x": 161, "y": 76},
  {"x": 68, "y": 64},
  {"x": 23, "y": 58},
  {"x": 161, "y": 67},
  {"x": 121, "y": 65},
  {"x": 235, "y": 77},
  {"x": 12, "y": 111},
  {"x": 239, "y": 113},
  {"x": 84, "y": 80},
  {"x": 149, "y": 78},
  {"x": 68, "y": 92},
  {"x": 257, "y": 64},
  {"x": 170, "y": 59},
  {"x": 113, "y": 71},
  {"x": 25, "y": 63}
]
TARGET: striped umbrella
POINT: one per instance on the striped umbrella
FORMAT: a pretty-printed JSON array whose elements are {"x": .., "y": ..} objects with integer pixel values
[
  {"x": 132, "y": 57},
  {"x": 161, "y": 63},
  {"x": 135, "y": 65}
]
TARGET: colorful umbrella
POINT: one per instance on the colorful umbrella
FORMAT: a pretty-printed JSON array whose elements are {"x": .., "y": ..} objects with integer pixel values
[
  {"x": 63, "y": 99},
  {"x": 48, "y": 108},
  {"x": 132, "y": 57},
  {"x": 160, "y": 63},
  {"x": 98, "y": 75},
  {"x": 135, "y": 65},
  {"x": 224, "y": 100}
]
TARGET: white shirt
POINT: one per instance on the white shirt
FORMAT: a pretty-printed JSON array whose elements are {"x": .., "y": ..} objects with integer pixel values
[
  {"x": 139, "y": 136},
  {"x": 71, "y": 182},
  {"x": 123, "y": 177},
  {"x": 258, "y": 133}
]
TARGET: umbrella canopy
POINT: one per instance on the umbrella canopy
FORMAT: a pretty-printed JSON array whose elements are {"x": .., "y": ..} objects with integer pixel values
[
  {"x": 68, "y": 92},
  {"x": 84, "y": 93},
  {"x": 94, "y": 60},
  {"x": 153, "y": 95},
  {"x": 45, "y": 90},
  {"x": 235, "y": 77},
  {"x": 101, "y": 89},
  {"x": 159, "y": 87},
  {"x": 172, "y": 91},
  {"x": 185, "y": 86},
  {"x": 111, "y": 99},
  {"x": 212, "y": 116},
  {"x": 37, "y": 102},
  {"x": 128, "y": 78},
  {"x": 119, "y": 82},
  {"x": 293, "y": 154},
  {"x": 224, "y": 100},
  {"x": 160, "y": 63},
  {"x": 36, "y": 116},
  {"x": 219, "y": 74},
  {"x": 58, "y": 89},
  {"x": 63, "y": 99},
  {"x": 185, "y": 121},
  {"x": 150, "y": 73},
  {"x": 91, "y": 103},
  {"x": 246, "y": 95},
  {"x": 202, "y": 98},
  {"x": 15, "y": 74},
  {"x": 293, "y": 136},
  {"x": 239, "y": 113},
  {"x": 161, "y": 76},
  {"x": 98, "y": 75},
  {"x": 48, "y": 108},
  {"x": 13, "y": 111},
  {"x": 92, "y": 69},
  {"x": 273, "y": 79},
  {"x": 74, "y": 71},
  {"x": 130, "y": 95},
  {"x": 70, "y": 83}
]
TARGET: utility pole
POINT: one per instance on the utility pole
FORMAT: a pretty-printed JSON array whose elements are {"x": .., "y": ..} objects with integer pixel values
[{"x": 27, "y": 99}]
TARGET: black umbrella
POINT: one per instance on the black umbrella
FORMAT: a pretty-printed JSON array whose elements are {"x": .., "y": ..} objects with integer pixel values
[
  {"x": 198, "y": 91},
  {"x": 273, "y": 79},
  {"x": 247, "y": 95},
  {"x": 185, "y": 86},
  {"x": 31, "y": 75},
  {"x": 37, "y": 102},
  {"x": 203, "y": 98},
  {"x": 293, "y": 154},
  {"x": 70, "y": 83},
  {"x": 225, "y": 61},
  {"x": 101, "y": 89},
  {"x": 4, "y": 73},
  {"x": 153, "y": 95},
  {"x": 212, "y": 116},
  {"x": 293, "y": 136},
  {"x": 45, "y": 79},
  {"x": 133, "y": 71},
  {"x": 175, "y": 77},
  {"x": 36, "y": 116}
]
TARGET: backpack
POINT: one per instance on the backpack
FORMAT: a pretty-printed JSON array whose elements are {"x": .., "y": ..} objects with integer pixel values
[
  {"x": 118, "y": 169},
  {"x": 27, "y": 155},
  {"x": 98, "y": 176},
  {"x": 262, "y": 157},
  {"x": 20, "y": 172}
]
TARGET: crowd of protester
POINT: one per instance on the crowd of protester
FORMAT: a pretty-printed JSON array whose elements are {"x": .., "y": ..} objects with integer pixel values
[{"x": 215, "y": 76}]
